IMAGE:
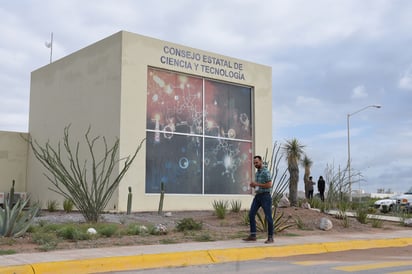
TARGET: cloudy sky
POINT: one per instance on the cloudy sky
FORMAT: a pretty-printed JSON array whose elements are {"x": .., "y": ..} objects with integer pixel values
[{"x": 329, "y": 59}]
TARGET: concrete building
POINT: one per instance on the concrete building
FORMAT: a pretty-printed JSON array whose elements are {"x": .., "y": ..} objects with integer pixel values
[{"x": 203, "y": 115}]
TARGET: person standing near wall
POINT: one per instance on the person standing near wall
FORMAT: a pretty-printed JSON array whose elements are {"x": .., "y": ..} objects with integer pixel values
[
  {"x": 263, "y": 198},
  {"x": 321, "y": 188}
]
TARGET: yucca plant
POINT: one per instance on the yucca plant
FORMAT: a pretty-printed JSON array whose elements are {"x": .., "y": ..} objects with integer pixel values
[
  {"x": 14, "y": 222},
  {"x": 235, "y": 205},
  {"x": 279, "y": 223},
  {"x": 220, "y": 208}
]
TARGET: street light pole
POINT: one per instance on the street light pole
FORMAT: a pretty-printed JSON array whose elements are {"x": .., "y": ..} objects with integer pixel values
[{"x": 349, "y": 160}]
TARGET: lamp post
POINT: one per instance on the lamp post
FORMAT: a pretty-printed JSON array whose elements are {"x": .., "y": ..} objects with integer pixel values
[{"x": 347, "y": 122}]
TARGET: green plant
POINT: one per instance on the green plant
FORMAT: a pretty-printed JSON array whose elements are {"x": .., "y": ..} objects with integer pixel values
[
  {"x": 294, "y": 152},
  {"x": 235, "y": 205},
  {"x": 69, "y": 232},
  {"x": 135, "y": 229},
  {"x": 7, "y": 252},
  {"x": 90, "y": 183},
  {"x": 377, "y": 222},
  {"x": 107, "y": 230},
  {"x": 300, "y": 223},
  {"x": 204, "y": 237},
  {"x": 279, "y": 222},
  {"x": 362, "y": 215},
  {"x": 11, "y": 196},
  {"x": 188, "y": 224},
  {"x": 345, "y": 221},
  {"x": 14, "y": 221},
  {"x": 245, "y": 218},
  {"x": 46, "y": 240},
  {"x": 52, "y": 205},
  {"x": 68, "y": 205},
  {"x": 220, "y": 208}
]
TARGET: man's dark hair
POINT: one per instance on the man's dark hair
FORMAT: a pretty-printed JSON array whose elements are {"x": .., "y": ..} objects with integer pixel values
[{"x": 257, "y": 156}]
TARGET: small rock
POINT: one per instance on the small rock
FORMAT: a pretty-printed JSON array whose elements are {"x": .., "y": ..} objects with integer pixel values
[
  {"x": 284, "y": 202},
  {"x": 306, "y": 205},
  {"x": 91, "y": 231},
  {"x": 160, "y": 229},
  {"x": 168, "y": 214},
  {"x": 408, "y": 222},
  {"x": 325, "y": 224}
]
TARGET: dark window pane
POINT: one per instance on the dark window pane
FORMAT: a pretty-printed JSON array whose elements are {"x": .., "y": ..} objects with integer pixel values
[
  {"x": 228, "y": 166},
  {"x": 174, "y": 160},
  {"x": 227, "y": 110}
]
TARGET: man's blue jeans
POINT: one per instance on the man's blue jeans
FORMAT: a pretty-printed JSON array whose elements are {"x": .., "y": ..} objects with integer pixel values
[{"x": 263, "y": 200}]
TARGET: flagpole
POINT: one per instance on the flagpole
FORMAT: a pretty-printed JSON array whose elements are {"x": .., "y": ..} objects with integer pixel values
[{"x": 51, "y": 47}]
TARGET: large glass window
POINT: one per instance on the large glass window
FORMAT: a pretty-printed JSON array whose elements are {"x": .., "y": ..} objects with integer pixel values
[{"x": 199, "y": 135}]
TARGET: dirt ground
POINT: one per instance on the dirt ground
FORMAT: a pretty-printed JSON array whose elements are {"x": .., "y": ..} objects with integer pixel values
[{"x": 214, "y": 229}]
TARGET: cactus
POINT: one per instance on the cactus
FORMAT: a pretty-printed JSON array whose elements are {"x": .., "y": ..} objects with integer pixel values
[
  {"x": 162, "y": 196},
  {"x": 11, "y": 196},
  {"x": 129, "y": 201}
]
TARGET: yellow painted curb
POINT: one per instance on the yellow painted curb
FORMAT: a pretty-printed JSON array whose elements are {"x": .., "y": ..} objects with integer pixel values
[
  {"x": 17, "y": 269},
  {"x": 176, "y": 259}
]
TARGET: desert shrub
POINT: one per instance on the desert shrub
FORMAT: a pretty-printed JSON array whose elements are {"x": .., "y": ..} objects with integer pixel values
[
  {"x": 107, "y": 230},
  {"x": 345, "y": 221},
  {"x": 362, "y": 215},
  {"x": 45, "y": 240},
  {"x": 89, "y": 183},
  {"x": 52, "y": 205},
  {"x": 220, "y": 208},
  {"x": 300, "y": 223},
  {"x": 68, "y": 205},
  {"x": 377, "y": 223},
  {"x": 71, "y": 232},
  {"x": 188, "y": 224},
  {"x": 245, "y": 218},
  {"x": 136, "y": 229},
  {"x": 204, "y": 237},
  {"x": 7, "y": 252},
  {"x": 235, "y": 205}
]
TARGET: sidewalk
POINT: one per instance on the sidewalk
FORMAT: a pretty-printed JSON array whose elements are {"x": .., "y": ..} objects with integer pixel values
[{"x": 173, "y": 255}]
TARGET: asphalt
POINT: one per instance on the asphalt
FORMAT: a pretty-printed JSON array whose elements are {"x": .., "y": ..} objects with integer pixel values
[{"x": 99, "y": 260}]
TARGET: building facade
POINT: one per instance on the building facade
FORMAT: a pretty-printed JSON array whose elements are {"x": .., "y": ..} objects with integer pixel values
[{"x": 203, "y": 116}]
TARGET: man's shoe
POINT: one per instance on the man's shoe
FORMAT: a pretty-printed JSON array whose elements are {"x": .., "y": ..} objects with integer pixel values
[
  {"x": 269, "y": 241},
  {"x": 250, "y": 239}
]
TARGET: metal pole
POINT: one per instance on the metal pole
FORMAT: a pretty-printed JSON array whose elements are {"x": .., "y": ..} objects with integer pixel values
[
  {"x": 349, "y": 175},
  {"x": 51, "y": 47},
  {"x": 349, "y": 160}
]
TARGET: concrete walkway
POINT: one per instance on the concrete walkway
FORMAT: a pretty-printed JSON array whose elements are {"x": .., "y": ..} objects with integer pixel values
[{"x": 173, "y": 255}]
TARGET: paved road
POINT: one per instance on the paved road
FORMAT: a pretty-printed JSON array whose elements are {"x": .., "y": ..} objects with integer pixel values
[{"x": 377, "y": 260}]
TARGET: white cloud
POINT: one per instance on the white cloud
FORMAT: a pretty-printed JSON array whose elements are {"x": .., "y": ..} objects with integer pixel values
[
  {"x": 405, "y": 82},
  {"x": 359, "y": 92},
  {"x": 302, "y": 101}
]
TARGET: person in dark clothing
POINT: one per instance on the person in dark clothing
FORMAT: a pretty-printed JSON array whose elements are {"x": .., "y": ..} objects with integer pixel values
[{"x": 321, "y": 188}]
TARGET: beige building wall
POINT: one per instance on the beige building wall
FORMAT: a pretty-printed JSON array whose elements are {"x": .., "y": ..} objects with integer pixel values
[
  {"x": 13, "y": 161},
  {"x": 105, "y": 85}
]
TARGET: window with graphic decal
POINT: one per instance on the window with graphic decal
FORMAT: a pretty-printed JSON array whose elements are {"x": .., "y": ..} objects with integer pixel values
[{"x": 199, "y": 135}]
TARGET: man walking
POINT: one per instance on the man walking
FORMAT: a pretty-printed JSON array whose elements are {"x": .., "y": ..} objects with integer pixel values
[{"x": 263, "y": 198}]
